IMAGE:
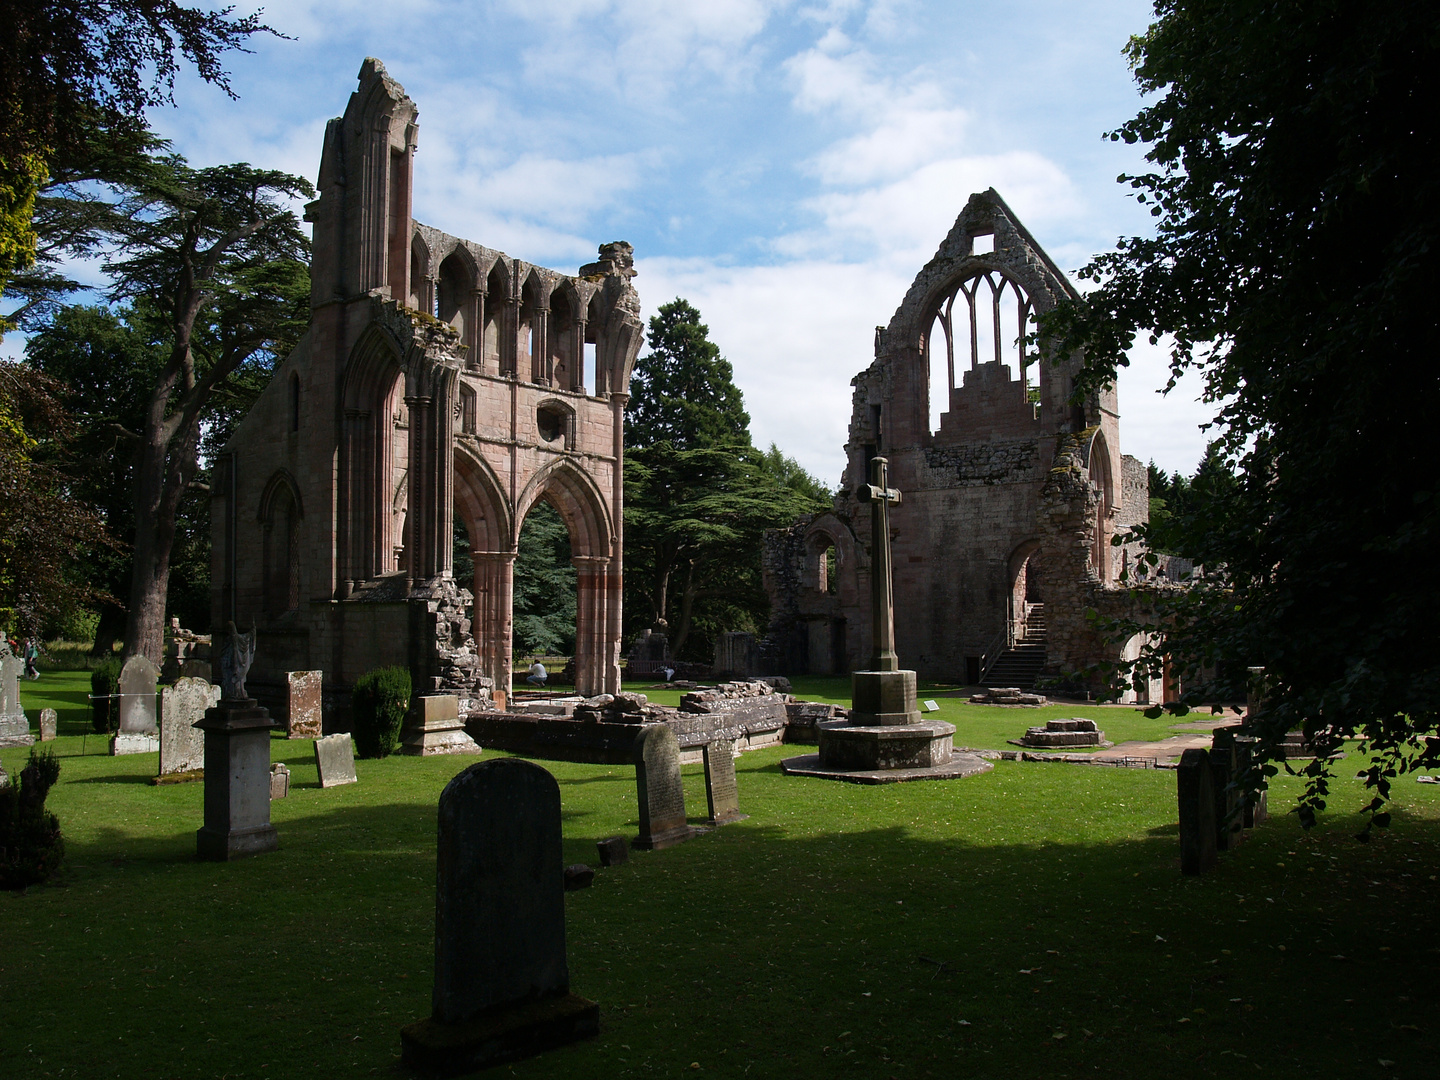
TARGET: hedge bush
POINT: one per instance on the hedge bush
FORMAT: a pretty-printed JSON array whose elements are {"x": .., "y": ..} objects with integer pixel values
[
  {"x": 379, "y": 703},
  {"x": 105, "y": 681},
  {"x": 31, "y": 846}
]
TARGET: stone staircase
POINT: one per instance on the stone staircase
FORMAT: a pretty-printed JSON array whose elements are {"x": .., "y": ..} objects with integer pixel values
[{"x": 1021, "y": 664}]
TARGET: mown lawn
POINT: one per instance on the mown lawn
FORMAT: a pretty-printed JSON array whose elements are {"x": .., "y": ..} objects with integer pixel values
[{"x": 1028, "y": 922}]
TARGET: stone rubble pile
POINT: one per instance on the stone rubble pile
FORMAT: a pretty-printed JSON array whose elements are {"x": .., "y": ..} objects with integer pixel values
[
  {"x": 1076, "y": 731},
  {"x": 1006, "y": 695}
]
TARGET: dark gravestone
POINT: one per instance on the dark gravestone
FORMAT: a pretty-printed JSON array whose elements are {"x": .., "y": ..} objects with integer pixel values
[
  {"x": 237, "y": 781},
  {"x": 613, "y": 851},
  {"x": 721, "y": 793},
  {"x": 1195, "y": 784},
  {"x": 661, "y": 795},
  {"x": 1224, "y": 768},
  {"x": 1255, "y": 804},
  {"x": 578, "y": 876},
  {"x": 502, "y": 986}
]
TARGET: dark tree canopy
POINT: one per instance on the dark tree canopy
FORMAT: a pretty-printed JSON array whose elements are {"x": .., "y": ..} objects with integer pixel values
[
  {"x": 544, "y": 590},
  {"x": 683, "y": 391},
  {"x": 698, "y": 495},
  {"x": 1295, "y": 264}
]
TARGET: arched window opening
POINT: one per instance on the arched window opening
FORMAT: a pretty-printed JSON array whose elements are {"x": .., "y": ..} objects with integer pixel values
[
  {"x": 469, "y": 408},
  {"x": 823, "y": 563},
  {"x": 562, "y": 345},
  {"x": 281, "y": 580},
  {"x": 497, "y": 296},
  {"x": 986, "y": 320},
  {"x": 453, "y": 289},
  {"x": 418, "y": 297},
  {"x": 1102, "y": 554}
]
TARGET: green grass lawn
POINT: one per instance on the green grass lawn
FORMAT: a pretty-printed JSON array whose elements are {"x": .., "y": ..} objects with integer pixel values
[{"x": 1029, "y": 922}]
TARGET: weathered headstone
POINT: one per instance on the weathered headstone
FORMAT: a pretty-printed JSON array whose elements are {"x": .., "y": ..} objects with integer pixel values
[
  {"x": 279, "y": 781},
  {"x": 721, "y": 792},
  {"x": 14, "y": 728},
  {"x": 1224, "y": 768},
  {"x": 1195, "y": 784},
  {"x": 578, "y": 876},
  {"x": 502, "y": 984},
  {"x": 182, "y": 706},
  {"x": 138, "y": 729},
  {"x": 613, "y": 851},
  {"x": 661, "y": 795},
  {"x": 302, "y": 718},
  {"x": 49, "y": 720},
  {"x": 335, "y": 760}
]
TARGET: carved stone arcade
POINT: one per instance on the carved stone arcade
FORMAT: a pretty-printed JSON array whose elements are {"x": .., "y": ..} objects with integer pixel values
[{"x": 438, "y": 378}]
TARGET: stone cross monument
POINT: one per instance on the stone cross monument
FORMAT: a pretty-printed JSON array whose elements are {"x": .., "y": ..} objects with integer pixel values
[
  {"x": 884, "y": 695},
  {"x": 882, "y": 591}
]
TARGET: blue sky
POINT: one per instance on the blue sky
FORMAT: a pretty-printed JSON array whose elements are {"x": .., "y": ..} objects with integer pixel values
[{"x": 788, "y": 167}]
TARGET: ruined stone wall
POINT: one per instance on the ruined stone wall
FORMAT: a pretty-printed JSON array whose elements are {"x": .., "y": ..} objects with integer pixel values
[{"x": 1016, "y": 485}]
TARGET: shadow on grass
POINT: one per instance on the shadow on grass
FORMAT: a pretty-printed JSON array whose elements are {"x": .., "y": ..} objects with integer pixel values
[{"x": 143, "y": 779}]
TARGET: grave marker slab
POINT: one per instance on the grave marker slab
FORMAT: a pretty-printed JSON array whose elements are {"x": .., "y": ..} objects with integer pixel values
[
  {"x": 661, "y": 795},
  {"x": 138, "y": 733},
  {"x": 1195, "y": 784},
  {"x": 182, "y": 706},
  {"x": 613, "y": 851},
  {"x": 502, "y": 984},
  {"x": 14, "y": 728},
  {"x": 49, "y": 719},
  {"x": 303, "y": 706},
  {"x": 721, "y": 792},
  {"x": 279, "y": 781},
  {"x": 335, "y": 760}
]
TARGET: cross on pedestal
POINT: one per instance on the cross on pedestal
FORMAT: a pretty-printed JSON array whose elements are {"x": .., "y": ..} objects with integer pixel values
[{"x": 882, "y": 596}]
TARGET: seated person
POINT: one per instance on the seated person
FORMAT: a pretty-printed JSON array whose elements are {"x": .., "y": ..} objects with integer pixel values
[{"x": 537, "y": 675}]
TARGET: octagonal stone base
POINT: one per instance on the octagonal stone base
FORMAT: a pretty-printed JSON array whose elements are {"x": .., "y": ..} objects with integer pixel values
[{"x": 885, "y": 746}]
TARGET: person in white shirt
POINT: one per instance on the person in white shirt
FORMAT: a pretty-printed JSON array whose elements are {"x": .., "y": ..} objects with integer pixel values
[{"x": 537, "y": 675}]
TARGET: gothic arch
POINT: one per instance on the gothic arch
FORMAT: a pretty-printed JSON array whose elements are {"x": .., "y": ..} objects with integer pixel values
[
  {"x": 281, "y": 516},
  {"x": 480, "y": 502},
  {"x": 581, "y": 504},
  {"x": 368, "y": 536}
]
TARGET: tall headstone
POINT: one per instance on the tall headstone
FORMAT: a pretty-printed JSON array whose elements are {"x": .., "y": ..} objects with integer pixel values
[
  {"x": 49, "y": 721},
  {"x": 335, "y": 760},
  {"x": 138, "y": 732},
  {"x": 14, "y": 728},
  {"x": 303, "y": 707},
  {"x": 182, "y": 706},
  {"x": 661, "y": 794},
  {"x": 237, "y": 763},
  {"x": 722, "y": 794},
  {"x": 1196, "y": 789},
  {"x": 1224, "y": 769},
  {"x": 502, "y": 984}
]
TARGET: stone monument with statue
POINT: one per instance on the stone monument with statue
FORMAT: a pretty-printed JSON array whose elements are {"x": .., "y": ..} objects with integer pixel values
[{"x": 884, "y": 739}]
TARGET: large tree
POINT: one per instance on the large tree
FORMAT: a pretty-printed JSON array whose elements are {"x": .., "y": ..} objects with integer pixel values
[
  {"x": 1295, "y": 264},
  {"x": 698, "y": 494},
  {"x": 219, "y": 256},
  {"x": 68, "y": 67}
]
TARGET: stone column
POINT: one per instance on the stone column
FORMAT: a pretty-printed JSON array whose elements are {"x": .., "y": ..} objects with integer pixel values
[
  {"x": 541, "y": 366},
  {"x": 614, "y": 607},
  {"x": 430, "y": 510},
  {"x": 591, "y": 625},
  {"x": 494, "y": 589}
]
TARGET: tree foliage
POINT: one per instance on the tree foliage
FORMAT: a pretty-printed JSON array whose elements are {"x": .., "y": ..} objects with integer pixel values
[
  {"x": 70, "y": 67},
  {"x": 544, "y": 599},
  {"x": 698, "y": 495},
  {"x": 1294, "y": 265},
  {"x": 46, "y": 530}
]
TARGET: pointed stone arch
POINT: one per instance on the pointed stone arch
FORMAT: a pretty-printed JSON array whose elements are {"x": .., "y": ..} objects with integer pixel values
[{"x": 367, "y": 537}]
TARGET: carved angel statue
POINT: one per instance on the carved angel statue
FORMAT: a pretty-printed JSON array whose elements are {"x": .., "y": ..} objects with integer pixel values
[{"x": 236, "y": 653}]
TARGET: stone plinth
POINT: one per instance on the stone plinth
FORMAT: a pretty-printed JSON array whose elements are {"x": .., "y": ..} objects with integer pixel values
[
  {"x": 237, "y": 782},
  {"x": 434, "y": 727},
  {"x": 15, "y": 731},
  {"x": 882, "y": 698},
  {"x": 1076, "y": 731},
  {"x": 866, "y": 747}
]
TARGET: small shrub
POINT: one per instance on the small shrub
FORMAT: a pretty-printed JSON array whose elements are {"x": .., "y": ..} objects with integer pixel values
[
  {"x": 31, "y": 846},
  {"x": 104, "y": 682},
  {"x": 379, "y": 703}
]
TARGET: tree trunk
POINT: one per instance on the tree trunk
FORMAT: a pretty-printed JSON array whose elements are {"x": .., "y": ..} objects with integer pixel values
[
  {"x": 687, "y": 605},
  {"x": 165, "y": 464},
  {"x": 108, "y": 630}
]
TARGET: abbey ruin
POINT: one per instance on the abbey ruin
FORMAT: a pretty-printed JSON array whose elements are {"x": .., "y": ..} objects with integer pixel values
[
  {"x": 438, "y": 378},
  {"x": 1012, "y": 493}
]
